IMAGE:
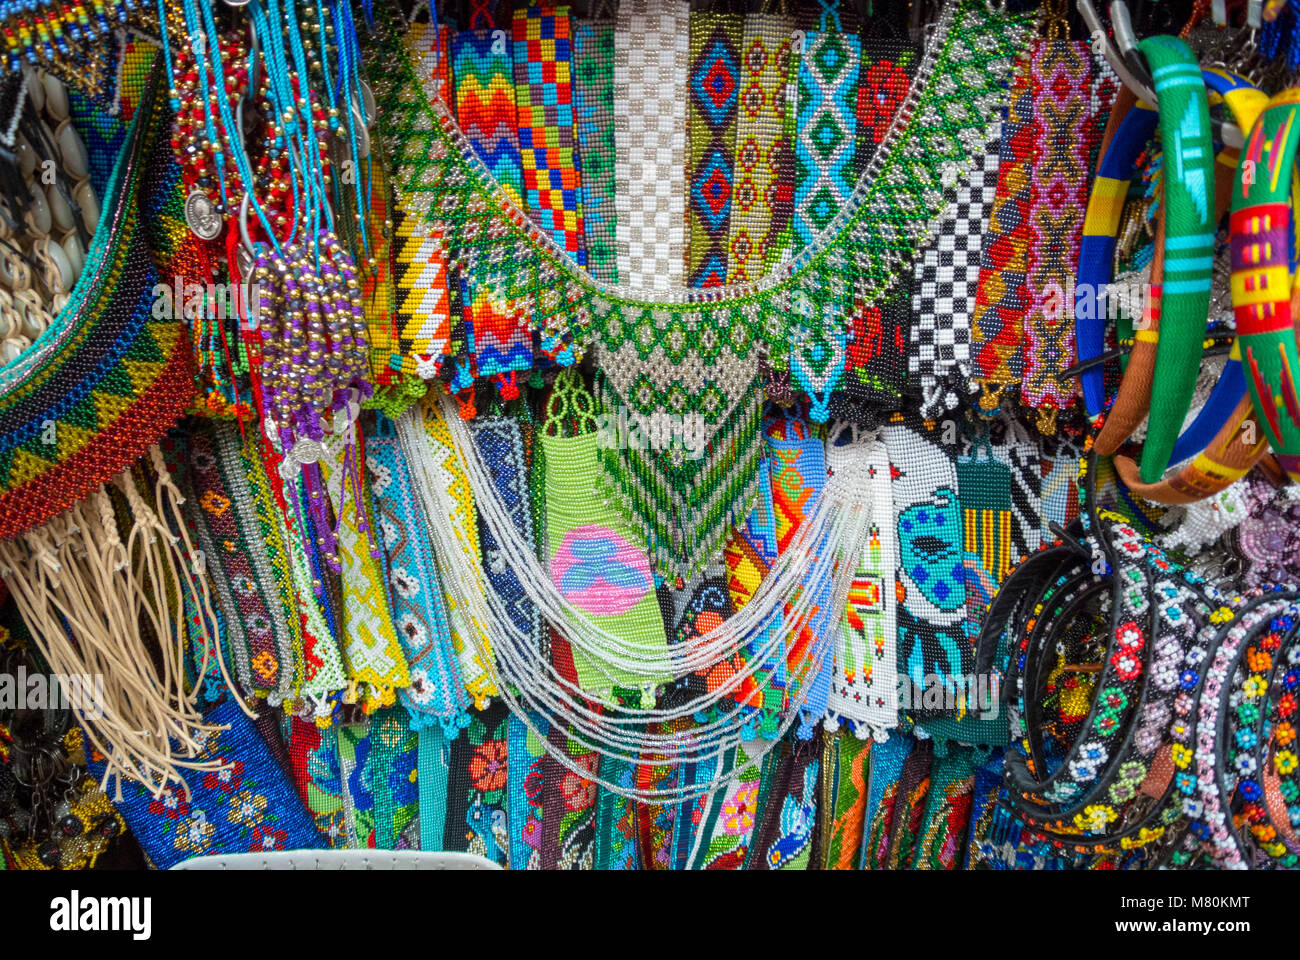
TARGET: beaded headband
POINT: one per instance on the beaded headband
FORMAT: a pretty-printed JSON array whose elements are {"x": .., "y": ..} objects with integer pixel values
[{"x": 1228, "y": 762}]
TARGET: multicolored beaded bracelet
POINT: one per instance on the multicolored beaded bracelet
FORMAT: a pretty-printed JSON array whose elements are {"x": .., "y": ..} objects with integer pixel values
[
  {"x": 1223, "y": 441},
  {"x": 1102, "y": 780},
  {"x": 1269, "y": 661},
  {"x": 1215, "y": 783},
  {"x": 1261, "y": 279}
]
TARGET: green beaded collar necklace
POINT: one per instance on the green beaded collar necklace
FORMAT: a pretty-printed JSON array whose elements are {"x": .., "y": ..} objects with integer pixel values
[{"x": 953, "y": 101}]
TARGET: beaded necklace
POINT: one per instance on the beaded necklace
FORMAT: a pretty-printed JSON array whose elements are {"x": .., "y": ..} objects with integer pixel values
[
  {"x": 433, "y": 459},
  {"x": 724, "y": 822},
  {"x": 749, "y": 556},
  {"x": 322, "y": 676},
  {"x": 825, "y": 123},
  {"x": 696, "y": 352},
  {"x": 783, "y": 837},
  {"x": 75, "y": 376},
  {"x": 501, "y": 444},
  {"x": 314, "y": 358},
  {"x": 1262, "y": 741},
  {"x": 946, "y": 820},
  {"x": 617, "y": 592},
  {"x": 307, "y": 343},
  {"x": 616, "y": 819},
  {"x": 423, "y": 293},
  {"x": 79, "y": 41},
  {"x": 476, "y": 819},
  {"x": 799, "y": 477},
  {"x": 612, "y": 726},
  {"x": 885, "y": 767}
]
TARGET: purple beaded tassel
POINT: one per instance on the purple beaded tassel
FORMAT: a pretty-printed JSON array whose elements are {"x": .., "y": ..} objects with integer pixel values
[{"x": 314, "y": 366}]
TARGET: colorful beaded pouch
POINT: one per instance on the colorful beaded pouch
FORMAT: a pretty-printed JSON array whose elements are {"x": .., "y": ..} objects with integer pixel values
[{"x": 108, "y": 378}]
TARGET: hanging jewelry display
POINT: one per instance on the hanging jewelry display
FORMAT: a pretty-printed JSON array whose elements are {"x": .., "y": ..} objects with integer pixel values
[
  {"x": 650, "y": 435},
  {"x": 721, "y": 482}
]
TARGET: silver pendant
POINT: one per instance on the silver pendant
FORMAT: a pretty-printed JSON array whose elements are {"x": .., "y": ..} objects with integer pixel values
[
  {"x": 307, "y": 451},
  {"x": 201, "y": 216}
]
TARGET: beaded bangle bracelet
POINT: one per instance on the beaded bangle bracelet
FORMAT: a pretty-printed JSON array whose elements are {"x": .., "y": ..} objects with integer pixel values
[
  {"x": 1141, "y": 379},
  {"x": 1129, "y": 128},
  {"x": 1225, "y": 432},
  {"x": 1246, "y": 102},
  {"x": 1213, "y": 782},
  {"x": 1189, "y": 241},
  {"x": 1238, "y": 445},
  {"x": 1267, "y": 659},
  {"x": 1261, "y": 280}
]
